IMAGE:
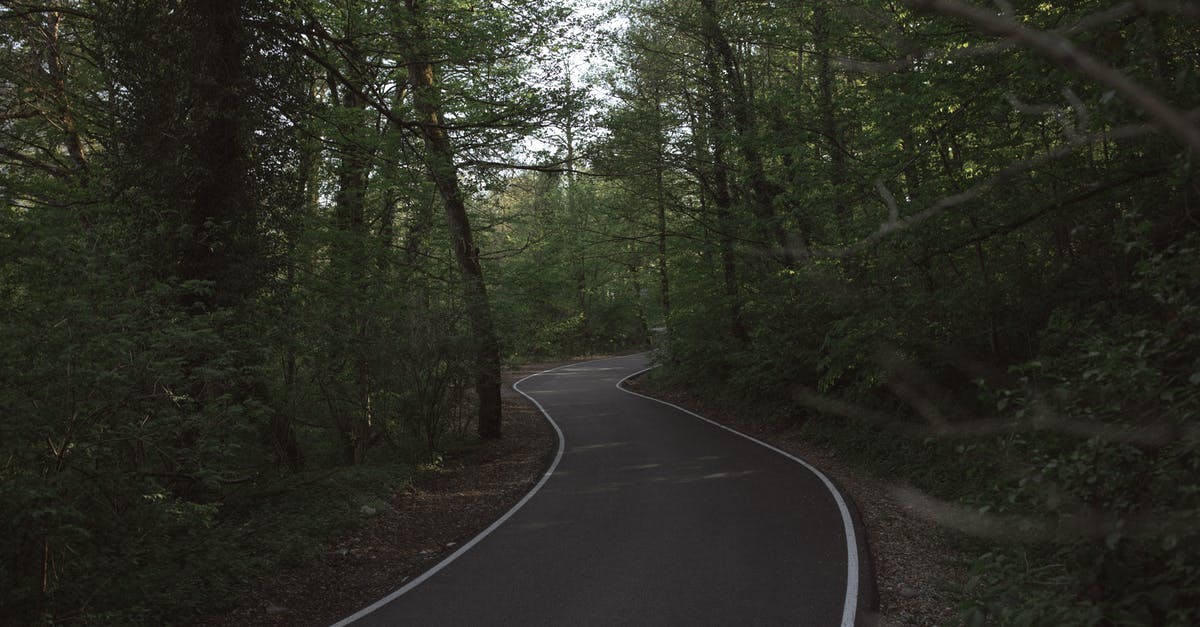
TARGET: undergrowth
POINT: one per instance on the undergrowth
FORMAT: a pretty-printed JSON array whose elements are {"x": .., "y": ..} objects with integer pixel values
[
  {"x": 187, "y": 559},
  {"x": 1071, "y": 471}
]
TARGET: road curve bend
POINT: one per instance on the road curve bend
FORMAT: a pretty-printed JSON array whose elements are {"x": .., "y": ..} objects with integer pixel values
[{"x": 649, "y": 515}]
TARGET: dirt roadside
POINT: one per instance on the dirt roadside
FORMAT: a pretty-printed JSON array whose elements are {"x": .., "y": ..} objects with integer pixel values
[
  {"x": 440, "y": 510},
  {"x": 917, "y": 570}
]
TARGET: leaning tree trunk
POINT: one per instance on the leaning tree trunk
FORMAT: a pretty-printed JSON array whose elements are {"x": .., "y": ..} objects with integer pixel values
[{"x": 443, "y": 171}]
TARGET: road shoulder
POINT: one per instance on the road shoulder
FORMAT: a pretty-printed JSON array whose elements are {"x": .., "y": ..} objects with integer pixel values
[
  {"x": 443, "y": 508},
  {"x": 918, "y": 573}
]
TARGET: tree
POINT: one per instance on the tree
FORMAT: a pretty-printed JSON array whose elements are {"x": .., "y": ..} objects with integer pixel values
[
  {"x": 960, "y": 187},
  {"x": 442, "y": 169}
]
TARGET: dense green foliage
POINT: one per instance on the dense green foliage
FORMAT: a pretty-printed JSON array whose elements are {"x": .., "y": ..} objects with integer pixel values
[
  {"x": 965, "y": 263},
  {"x": 226, "y": 303},
  {"x": 960, "y": 246}
]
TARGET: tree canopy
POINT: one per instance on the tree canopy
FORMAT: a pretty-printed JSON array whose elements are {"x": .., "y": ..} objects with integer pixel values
[{"x": 244, "y": 240}]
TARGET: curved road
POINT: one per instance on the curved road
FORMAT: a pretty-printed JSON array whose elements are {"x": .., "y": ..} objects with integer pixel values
[{"x": 651, "y": 516}]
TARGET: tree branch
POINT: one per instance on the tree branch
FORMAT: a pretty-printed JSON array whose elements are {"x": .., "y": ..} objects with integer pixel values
[
  {"x": 973, "y": 192},
  {"x": 1094, "y": 189},
  {"x": 1060, "y": 50}
]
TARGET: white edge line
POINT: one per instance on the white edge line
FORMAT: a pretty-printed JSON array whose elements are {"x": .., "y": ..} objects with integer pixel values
[
  {"x": 499, "y": 521},
  {"x": 850, "y": 607}
]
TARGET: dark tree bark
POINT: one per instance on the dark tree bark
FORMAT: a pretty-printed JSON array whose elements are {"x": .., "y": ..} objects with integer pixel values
[
  {"x": 185, "y": 118},
  {"x": 664, "y": 281},
  {"x": 745, "y": 123},
  {"x": 221, "y": 219},
  {"x": 829, "y": 125},
  {"x": 444, "y": 173},
  {"x": 57, "y": 69},
  {"x": 713, "y": 149},
  {"x": 660, "y": 202},
  {"x": 283, "y": 433},
  {"x": 350, "y": 263}
]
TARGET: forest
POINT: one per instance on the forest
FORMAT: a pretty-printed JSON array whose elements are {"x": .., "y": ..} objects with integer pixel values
[{"x": 249, "y": 245}]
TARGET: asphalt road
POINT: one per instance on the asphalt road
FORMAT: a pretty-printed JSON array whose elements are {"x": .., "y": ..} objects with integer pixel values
[{"x": 652, "y": 516}]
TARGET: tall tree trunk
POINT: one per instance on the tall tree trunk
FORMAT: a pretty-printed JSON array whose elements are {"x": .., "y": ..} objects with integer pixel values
[
  {"x": 745, "y": 123},
  {"x": 57, "y": 70},
  {"x": 664, "y": 281},
  {"x": 283, "y": 433},
  {"x": 660, "y": 201},
  {"x": 442, "y": 169},
  {"x": 639, "y": 308},
  {"x": 220, "y": 243},
  {"x": 829, "y": 126},
  {"x": 712, "y": 147},
  {"x": 580, "y": 221},
  {"x": 221, "y": 219},
  {"x": 214, "y": 249},
  {"x": 349, "y": 256}
]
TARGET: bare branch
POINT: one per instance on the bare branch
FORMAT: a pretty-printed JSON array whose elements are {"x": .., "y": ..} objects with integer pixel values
[
  {"x": 1154, "y": 434},
  {"x": 18, "y": 10},
  {"x": 1080, "y": 524},
  {"x": 1170, "y": 7},
  {"x": 1080, "y": 108},
  {"x": 1089, "y": 191},
  {"x": 973, "y": 192},
  {"x": 975, "y": 428},
  {"x": 890, "y": 200},
  {"x": 22, "y": 159},
  {"x": 1021, "y": 107},
  {"x": 1084, "y": 24},
  {"x": 550, "y": 168}
]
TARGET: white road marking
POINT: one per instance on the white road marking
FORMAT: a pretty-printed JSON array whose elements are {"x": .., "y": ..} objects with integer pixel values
[
  {"x": 850, "y": 606},
  {"x": 851, "y": 601},
  {"x": 482, "y": 534}
]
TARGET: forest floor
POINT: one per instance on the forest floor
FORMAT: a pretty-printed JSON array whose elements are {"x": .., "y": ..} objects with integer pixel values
[
  {"x": 919, "y": 570},
  {"x": 443, "y": 507}
]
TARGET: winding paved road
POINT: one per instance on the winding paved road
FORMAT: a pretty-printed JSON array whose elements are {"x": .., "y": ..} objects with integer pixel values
[{"x": 651, "y": 516}]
